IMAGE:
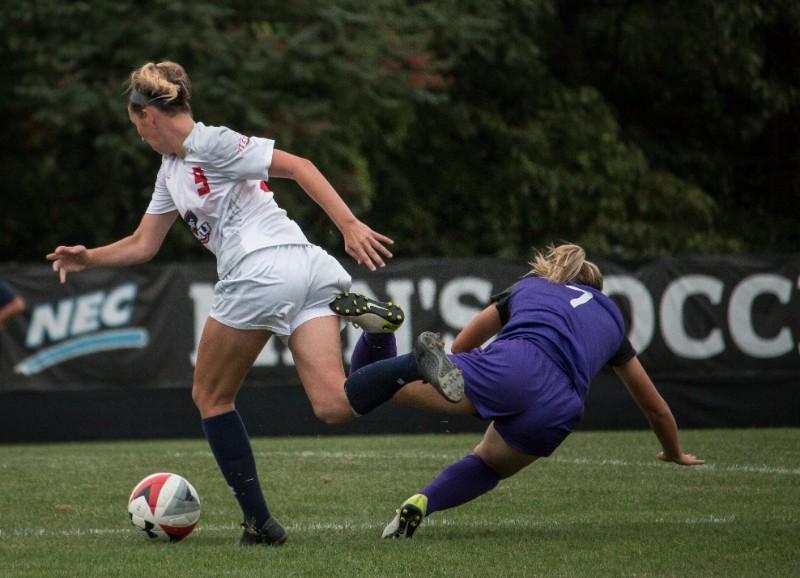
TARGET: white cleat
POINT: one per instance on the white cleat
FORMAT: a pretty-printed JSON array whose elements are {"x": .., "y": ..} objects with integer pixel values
[{"x": 436, "y": 368}]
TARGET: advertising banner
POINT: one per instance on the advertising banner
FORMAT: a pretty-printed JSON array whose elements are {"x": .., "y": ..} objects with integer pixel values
[{"x": 709, "y": 325}]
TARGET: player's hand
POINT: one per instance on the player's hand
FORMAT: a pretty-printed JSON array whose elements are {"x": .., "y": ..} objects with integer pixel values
[
  {"x": 69, "y": 260},
  {"x": 682, "y": 459},
  {"x": 366, "y": 246}
]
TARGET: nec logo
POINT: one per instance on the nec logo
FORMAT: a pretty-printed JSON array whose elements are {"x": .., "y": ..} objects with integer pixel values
[
  {"x": 80, "y": 315},
  {"x": 81, "y": 326}
]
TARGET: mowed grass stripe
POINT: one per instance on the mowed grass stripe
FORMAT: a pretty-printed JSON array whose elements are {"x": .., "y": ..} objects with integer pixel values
[
  {"x": 353, "y": 525},
  {"x": 423, "y": 455}
]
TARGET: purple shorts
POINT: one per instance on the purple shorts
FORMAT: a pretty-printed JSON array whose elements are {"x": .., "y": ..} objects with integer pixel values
[{"x": 531, "y": 401}]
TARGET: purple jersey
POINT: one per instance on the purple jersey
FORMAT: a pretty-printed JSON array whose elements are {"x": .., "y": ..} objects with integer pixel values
[
  {"x": 576, "y": 326},
  {"x": 531, "y": 381}
]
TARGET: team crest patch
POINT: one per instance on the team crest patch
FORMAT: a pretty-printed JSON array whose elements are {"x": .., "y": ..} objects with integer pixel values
[{"x": 201, "y": 231}]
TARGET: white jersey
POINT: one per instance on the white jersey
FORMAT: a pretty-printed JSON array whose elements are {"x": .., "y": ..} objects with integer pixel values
[{"x": 220, "y": 190}]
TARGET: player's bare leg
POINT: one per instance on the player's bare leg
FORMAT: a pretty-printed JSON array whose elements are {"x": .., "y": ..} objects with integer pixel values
[
  {"x": 501, "y": 457},
  {"x": 316, "y": 349},
  {"x": 420, "y": 395},
  {"x": 224, "y": 357}
]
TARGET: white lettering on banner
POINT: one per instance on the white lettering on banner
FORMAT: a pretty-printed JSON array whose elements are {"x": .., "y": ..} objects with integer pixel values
[
  {"x": 80, "y": 315},
  {"x": 81, "y": 326},
  {"x": 456, "y": 314},
  {"x": 117, "y": 309},
  {"x": 740, "y": 316},
  {"x": 202, "y": 296},
  {"x": 49, "y": 322},
  {"x": 87, "y": 313},
  {"x": 400, "y": 291},
  {"x": 643, "y": 316},
  {"x": 426, "y": 290},
  {"x": 671, "y": 316}
]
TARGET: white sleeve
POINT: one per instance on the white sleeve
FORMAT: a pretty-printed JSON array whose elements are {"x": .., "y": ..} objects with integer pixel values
[
  {"x": 161, "y": 201},
  {"x": 238, "y": 157}
]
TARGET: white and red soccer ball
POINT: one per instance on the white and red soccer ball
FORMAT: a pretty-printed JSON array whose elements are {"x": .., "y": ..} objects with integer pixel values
[{"x": 164, "y": 507}]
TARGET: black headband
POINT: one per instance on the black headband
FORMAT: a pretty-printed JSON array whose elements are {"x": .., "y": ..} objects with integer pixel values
[{"x": 139, "y": 99}]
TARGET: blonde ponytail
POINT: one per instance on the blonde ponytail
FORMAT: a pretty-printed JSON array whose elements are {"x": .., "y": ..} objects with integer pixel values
[{"x": 566, "y": 264}]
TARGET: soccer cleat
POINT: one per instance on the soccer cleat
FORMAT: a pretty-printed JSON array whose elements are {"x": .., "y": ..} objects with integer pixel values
[
  {"x": 408, "y": 518},
  {"x": 436, "y": 368},
  {"x": 270, "y": 534},
  {"x": 371, "y": 315}
]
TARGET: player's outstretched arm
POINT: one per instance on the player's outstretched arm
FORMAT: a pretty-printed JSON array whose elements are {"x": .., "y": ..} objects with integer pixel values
[
  {"x": 139, "y": 247},
  {"x": 480, "y": 328},
  {"x": 657, "y": 412},
  {"x": 363, "y": 244}
]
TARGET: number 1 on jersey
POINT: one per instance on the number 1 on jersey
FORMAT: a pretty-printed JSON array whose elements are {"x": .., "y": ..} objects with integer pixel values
[{"x": 578, "y": 301}]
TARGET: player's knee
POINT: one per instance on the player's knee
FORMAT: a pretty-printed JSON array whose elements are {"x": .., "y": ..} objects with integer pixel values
[
  {"x": 209, "y": 401},
  {"x": 493, "y": 460},
  {"x": 332, "y": 412}
]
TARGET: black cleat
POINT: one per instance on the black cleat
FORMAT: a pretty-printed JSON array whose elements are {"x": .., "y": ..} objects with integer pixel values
[
  {"x": 270, "y": 534},
  {"x": 436, "y": 368},
  {"x": 371, "y": 315}
]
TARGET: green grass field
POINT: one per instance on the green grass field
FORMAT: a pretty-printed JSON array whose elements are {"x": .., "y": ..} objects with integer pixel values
[{"x": 602, "y": 505}]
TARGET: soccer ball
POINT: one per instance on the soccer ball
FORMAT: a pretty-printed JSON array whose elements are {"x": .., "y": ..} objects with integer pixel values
[{"x": 164, "y": 507}]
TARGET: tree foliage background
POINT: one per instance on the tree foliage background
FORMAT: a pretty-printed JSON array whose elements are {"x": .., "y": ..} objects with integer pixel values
[{"x": 458, "y": 128}]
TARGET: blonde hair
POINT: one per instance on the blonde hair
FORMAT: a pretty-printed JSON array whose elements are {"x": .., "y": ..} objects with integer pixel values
[
  {"x": 564, "y": 264},
  {"x": 166, "y": 84}
]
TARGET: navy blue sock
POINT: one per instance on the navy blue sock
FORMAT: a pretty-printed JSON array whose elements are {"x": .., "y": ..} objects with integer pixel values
[
  {"x": 230, "y": 445},
  {"x": 377, "y": 382}
]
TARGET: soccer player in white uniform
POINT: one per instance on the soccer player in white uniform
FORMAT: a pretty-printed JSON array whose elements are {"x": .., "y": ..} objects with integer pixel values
[{"x": 272, "y": 280}]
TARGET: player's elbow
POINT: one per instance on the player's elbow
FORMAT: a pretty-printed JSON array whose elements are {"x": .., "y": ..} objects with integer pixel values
[
  {"x": 142, "y": 255},
  {"x": 289, "y": 166},
  {"x": 302, "y": 167},
  {"x": 149, "y": 253}
]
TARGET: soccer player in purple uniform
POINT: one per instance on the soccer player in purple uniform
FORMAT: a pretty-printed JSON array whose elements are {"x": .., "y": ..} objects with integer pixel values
[{"x": 553, "y": 331}]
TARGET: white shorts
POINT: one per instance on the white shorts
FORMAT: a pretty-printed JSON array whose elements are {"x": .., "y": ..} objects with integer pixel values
[{"x": 279, "y": 288}]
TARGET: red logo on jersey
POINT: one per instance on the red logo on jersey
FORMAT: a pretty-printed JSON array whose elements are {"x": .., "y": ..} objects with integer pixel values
[
  {"x": 201, "y": 180},
  {"x": 264, "y": 187}
]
